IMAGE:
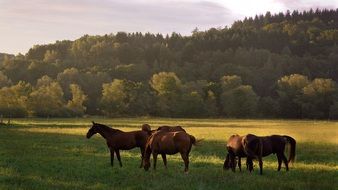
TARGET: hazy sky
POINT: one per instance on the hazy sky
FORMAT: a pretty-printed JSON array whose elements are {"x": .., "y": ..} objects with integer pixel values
[{"x": 24, "y": 23}]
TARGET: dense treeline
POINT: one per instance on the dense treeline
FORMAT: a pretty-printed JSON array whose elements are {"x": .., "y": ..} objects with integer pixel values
[{"x": 283, "y": 65}]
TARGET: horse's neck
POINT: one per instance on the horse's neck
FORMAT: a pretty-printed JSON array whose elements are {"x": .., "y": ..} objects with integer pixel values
[{"x": 105, "y": 131}]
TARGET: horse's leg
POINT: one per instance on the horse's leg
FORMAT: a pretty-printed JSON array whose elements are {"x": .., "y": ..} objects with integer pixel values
[
  {"x": 226, "y": 162},
  {"x": 285, "y": 162},
  {"x": 118, "y": 156},
  {"x": 185, "y": 157},
  {"x": 111, "y": 156},
  {"x": 249, "y": 164},
  {"x": 260, "y": 165},
  {"x": 142, "y": 156},
  {"x": 279, "y": 158},
  {"x": 155, "y": 160},
  {"x": 239, "y": 163},
  {"x": 233, "y": 162},
  {"x": 164, "y": 157},
  {"x": 260, "y": 156}
]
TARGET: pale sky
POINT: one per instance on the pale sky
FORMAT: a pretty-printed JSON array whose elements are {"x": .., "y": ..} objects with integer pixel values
[{"x": 24, "y": 23}]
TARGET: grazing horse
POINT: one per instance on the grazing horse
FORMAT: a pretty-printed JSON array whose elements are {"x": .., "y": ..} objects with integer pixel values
[
  {"x": 258, "y": 147},
  {"x": 163, "y": 143},
  {"x": 235, "y": 149},
  {"x": 118, "y": 140}
]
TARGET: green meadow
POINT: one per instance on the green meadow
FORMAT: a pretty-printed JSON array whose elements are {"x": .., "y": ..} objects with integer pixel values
[{"x": 55, "y": 154}]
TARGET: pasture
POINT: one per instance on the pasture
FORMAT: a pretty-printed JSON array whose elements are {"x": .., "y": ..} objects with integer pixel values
[{"x": 55, "y": 154}]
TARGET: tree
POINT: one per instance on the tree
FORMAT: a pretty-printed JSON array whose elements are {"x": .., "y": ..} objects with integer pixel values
[
  {"x": 75, "y": 105},
  {"x": 290, "y": 90},
  {"x": 162, "y": 74},
  {"x": 190, "y": 105},
  {"x": 114, "y": 97},
  {"x": 239, "y": 102},
  {"x": 46, "y": 99},
  {"x": 4, "y": 80},
  {"x": 50, "y": 56},
  {"x": 13, "y": 99},
  {"x": 168, "y": 89},
  {"x": 66, "y": 78},
  {"x": 317, "y": 98},
  {"x": 334, "y": 110},
  {"x": 122, "y": 97},
  {"x": 211, "y": 104},
  {"x": 165, "y": 83},
  {"x": 230, "y": 82}
]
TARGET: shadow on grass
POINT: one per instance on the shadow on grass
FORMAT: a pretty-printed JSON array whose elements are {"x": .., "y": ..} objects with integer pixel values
[{"x": 57, "y": 161}]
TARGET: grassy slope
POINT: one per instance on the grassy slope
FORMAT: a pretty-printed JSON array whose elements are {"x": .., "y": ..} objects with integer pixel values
[{"x": 54, "y": 154}]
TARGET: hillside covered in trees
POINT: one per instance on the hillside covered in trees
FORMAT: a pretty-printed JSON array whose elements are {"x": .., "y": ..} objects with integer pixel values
[{"x": 272, "y": 66}]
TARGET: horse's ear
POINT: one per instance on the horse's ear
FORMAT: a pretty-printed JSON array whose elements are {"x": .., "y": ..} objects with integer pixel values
[{"x": 93, "y": 122}]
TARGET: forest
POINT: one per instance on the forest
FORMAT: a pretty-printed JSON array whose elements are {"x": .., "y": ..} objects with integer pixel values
[{"x": 281, "y": 65}]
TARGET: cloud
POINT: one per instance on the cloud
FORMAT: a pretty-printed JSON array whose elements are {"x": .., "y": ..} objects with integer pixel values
[
  {"x": 136, "y": 14},
  {"x": 307, "y": 4},
  {"x": 47, "y": 21},
  {"x": 24, "y": 23}
]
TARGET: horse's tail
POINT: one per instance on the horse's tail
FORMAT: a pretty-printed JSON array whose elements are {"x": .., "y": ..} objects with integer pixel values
[
  {"x": 146, "y": 128},
  {"x": 194, "y": 141},
  {"x": 292, "y": 153}
]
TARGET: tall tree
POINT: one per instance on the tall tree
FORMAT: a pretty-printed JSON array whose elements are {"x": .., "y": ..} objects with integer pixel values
[{"x": 76, "y": 104}]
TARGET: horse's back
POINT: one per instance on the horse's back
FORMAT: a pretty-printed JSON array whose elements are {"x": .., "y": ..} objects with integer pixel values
[
  {"x": 128, "y": 140},
  {"x": 170, "y": 142},
  {"x": 278, "y": 143},
  {"x": 170, "y": 128}
]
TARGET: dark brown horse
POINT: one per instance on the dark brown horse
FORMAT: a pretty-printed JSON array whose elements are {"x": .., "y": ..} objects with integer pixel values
[
  {"x": 259, "y": 147},
  {"x": 164, "y": 143},
  {"x": 118, "y": 140},
  {"x": 235, "y": 149}
]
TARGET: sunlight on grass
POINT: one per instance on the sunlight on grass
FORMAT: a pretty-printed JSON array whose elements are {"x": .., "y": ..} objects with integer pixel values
[
  {"x": 302, "y": 131},
  {"x": 55, "y": 154}
]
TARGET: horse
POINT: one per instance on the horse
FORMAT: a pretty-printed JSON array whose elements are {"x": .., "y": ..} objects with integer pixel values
[
  {"x": 235, "y": 149},
  {"x": 162, "y": 142},
  {"x": 118, "y": 140},
  {"x": 258, "y": 147},
  {"x": 170, "y": 128}
]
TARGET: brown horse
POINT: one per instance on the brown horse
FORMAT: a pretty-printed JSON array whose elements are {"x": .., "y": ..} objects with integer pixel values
[
  {"x": 163, "y": 143},
  {"x": 170, "y": 128},
  {"x": 235, "y": 149},
  {"x": 258, "y": 147},
  {"x": 118, "y": 140}
]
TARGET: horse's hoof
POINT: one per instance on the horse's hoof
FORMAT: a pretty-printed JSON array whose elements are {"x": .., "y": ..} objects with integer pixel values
[{"x": 186, "y": 172}]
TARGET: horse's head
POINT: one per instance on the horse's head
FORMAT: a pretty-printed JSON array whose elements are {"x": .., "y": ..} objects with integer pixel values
[
  {"x": 146, "y": 159},
  {"x": 226, "y": 164},
  {"x": 93, "y": 130}
]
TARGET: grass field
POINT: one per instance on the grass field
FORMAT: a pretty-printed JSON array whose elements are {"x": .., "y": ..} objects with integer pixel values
[{"x": 54, "y": 154}]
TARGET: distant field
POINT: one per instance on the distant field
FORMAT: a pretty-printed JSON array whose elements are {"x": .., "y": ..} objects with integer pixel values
[{"x": 54, "y": 154}]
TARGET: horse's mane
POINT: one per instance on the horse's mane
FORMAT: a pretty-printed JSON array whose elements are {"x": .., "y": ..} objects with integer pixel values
[{"x": 106, "y": 128}]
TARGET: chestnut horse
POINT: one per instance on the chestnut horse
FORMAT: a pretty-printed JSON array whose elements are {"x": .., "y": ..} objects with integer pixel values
[
  {"x": 118, "y": 140},
  {"x": 258, "y": 147},
  {"x": 235, "y": 149},
  {"x": 170, "y": 143}
]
